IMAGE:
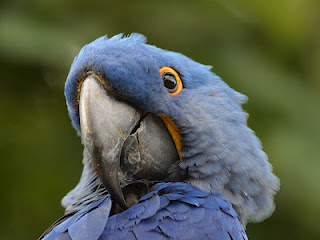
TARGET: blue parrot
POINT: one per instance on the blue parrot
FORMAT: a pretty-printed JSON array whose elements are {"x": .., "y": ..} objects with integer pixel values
[{"x": 167, "y": 150}]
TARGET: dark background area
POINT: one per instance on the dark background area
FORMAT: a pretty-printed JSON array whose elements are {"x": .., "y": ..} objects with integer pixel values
[{"x": 268, "y": 50}]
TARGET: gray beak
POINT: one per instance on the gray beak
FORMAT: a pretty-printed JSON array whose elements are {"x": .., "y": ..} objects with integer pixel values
[{"x": 123, "y": 143}]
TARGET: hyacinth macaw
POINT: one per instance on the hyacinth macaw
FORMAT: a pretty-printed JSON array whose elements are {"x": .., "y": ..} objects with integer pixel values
[{"x": 167, "y": 150}]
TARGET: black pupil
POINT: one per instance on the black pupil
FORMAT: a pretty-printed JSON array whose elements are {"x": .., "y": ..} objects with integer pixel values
[{"x": 169, "y": 81}]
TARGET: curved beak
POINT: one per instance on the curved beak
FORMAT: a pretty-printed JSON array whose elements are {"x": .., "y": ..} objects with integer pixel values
[{"x": 122, "y": 142}]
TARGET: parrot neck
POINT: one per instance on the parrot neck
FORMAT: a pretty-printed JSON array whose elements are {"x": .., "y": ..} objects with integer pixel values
[
  {"x": 88, "y": 190},
  {"x": 222, "y": 154}
]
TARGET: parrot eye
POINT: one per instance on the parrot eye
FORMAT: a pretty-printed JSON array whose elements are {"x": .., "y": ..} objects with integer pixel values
[{"x": 171, "y": 80}]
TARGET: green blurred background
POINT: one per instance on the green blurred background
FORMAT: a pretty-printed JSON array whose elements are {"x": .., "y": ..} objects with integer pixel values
[{"x": 268, "y": 50}]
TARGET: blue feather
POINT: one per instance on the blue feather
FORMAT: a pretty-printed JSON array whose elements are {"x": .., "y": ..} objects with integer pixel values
[
  {"x": 91, "y": 225},
  {"x": 177, "y": 219},
  {"x": 151, "y": 207}
]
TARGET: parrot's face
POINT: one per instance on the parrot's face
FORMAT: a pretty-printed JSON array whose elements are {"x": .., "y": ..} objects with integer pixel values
[
  {"x": 121, "y": 98},
  {"x": 142, "y": 111}
]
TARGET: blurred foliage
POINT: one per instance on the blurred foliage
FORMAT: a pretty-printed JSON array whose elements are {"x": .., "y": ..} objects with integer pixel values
[{"x": 268, "y": 50}]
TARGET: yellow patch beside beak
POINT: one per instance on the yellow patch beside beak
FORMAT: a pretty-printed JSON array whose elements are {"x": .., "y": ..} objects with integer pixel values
[{"x": 175, "y": 133}]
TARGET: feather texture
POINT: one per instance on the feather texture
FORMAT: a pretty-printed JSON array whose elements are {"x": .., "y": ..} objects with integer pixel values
[
  {"x": 169, "y": 211},
  {"x": 229, "y": 179}
]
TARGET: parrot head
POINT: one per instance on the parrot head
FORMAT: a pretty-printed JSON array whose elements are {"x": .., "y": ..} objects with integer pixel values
[{"x": 148, "y": 115}]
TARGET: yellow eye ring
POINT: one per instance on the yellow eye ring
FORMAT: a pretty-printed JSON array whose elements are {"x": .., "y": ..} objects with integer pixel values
[{"x": 171, "y": 80}]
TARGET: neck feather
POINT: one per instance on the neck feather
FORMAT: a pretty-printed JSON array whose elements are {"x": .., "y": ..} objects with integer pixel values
[
  {"x": 221, "y": 154},
  {"x": 88, "y": 190}
]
